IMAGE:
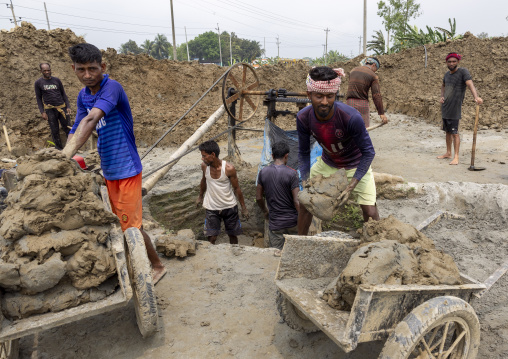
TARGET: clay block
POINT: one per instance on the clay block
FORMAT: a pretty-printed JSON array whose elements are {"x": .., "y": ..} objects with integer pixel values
[
  {"x": 37, "y": 277},
  {"x": 9, "y": 179},
  {"x": 9, "y": 276},
  {"x": 180, "y": 244}
]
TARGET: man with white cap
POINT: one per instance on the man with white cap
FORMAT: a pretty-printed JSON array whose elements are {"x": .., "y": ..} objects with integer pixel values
[{"x": 341, "y": 132}]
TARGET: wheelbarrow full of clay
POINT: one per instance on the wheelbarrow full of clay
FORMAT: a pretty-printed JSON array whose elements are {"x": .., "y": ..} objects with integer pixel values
[
  {"x": 419, "y": 321},
  {"x": 135, "y": 281}
]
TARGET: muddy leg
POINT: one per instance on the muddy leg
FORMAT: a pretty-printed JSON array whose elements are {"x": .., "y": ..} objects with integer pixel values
[
  {"x": 212, "y": 239},
  {"x": 233, "y": 239},
  {"x": 157, "y": 266},
  {"x": 304, "y": 220},
  {"x": 369, "y": 212}
]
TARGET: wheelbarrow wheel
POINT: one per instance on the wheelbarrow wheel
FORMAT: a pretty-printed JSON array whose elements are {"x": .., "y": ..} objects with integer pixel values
[
  {"x": 140, "y": 273},
  {"x": 293, "y": 317},
  {"x": 443, "y": 327},
  {"x": 9, "y": 349}
]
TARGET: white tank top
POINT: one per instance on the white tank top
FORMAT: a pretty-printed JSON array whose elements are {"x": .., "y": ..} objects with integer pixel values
[{"x": 219, "y": 192}]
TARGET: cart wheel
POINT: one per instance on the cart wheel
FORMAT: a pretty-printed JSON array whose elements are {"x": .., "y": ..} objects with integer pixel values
[
  {"x": 241, "y": 77},
  {"x": 9, "y": 349},
  {"x": 140, "y": 273},
  {"x": 446, "y": 325},
  {"x": 293, "y": 317}
]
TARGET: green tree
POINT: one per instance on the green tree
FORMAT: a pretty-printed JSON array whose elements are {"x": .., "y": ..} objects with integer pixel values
[
  {"x": 483, "y": 35},
  {"x": 205, "y": 46},
  {"x": 377, "y": 44},
  {"x": 161, "y": 47},
  {"x": 450, "y": 34},
  {"x": 147, "y": 47},
  {"x": 396, "y": 15},
  {"x": 130, "y": 47}
]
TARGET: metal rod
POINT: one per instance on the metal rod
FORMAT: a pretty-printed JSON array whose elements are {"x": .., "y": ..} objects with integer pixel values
[{"x": 185, "y": 114}]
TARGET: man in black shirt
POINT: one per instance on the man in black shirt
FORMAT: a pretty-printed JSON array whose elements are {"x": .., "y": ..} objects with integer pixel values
[
  {"x": 52, "y": 102},
  {"x": 279, "y": 184},
  {"x": 453, "y": 90}
]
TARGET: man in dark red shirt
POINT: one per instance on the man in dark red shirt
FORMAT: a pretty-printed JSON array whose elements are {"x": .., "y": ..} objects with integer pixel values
[
  {"x": 341, "y": 132},
  {"x": 52, "y": 101}
]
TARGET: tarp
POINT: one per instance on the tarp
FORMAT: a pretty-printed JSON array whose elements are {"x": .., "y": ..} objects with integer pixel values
[{"x": 273, "y": 134}]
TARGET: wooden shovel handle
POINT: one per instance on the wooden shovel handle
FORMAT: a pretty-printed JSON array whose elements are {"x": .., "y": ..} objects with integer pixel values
[{"x": 475, "y": 130}]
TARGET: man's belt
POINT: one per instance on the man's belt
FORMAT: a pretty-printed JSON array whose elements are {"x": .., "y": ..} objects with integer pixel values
[{"x": 59, "y": 108}]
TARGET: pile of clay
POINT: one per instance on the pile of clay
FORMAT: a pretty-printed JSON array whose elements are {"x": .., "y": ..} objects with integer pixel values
[
  {"x": 391, "y": 252},
  {"x": 54, "y": 238},
  {"x": 319, "y": 194}
]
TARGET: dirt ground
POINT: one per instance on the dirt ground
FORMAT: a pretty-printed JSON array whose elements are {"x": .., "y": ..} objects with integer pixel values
[{"x": 221, "y": 302}]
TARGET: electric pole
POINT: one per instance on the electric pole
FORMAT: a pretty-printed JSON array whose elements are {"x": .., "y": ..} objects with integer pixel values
[
  {"x": 187, "y": 43},
  {"x": 220, "y": 48},
  {"x": 47, "y": 18},
  {"x": 360, "y": 45},
  {"x": 365, "y": 27},
  {"x": 278, "y": 43},
  {"x": 173, "y": 27},
  {"x": 230, "y": 50},
  {"x": 13, "y": 16},
  {"x": 326, "y": 46}
]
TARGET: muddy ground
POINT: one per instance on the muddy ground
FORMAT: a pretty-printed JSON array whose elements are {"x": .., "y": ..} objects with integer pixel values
[{"x": 221, "y": 302}]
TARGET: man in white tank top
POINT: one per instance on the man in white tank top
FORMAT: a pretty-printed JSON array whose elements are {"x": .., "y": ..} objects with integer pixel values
[{"x": 219, "y": 186}]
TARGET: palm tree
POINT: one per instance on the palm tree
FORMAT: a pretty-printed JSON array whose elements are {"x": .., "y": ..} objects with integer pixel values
[
  {"x": 161, "y": 47},
  {"x": 377, "y": 44},
  {"x": 147, "y": 46}
]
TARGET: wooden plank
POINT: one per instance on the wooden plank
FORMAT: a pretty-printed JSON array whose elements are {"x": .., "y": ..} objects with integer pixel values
[
  {"x": 37, "y": 323},
  {"x": 493, "y": 279},
  {"x": 331, "y": 321}
]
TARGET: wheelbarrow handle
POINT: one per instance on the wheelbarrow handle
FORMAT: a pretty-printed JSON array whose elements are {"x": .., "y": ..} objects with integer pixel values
[{"x": 489, "y": 282}]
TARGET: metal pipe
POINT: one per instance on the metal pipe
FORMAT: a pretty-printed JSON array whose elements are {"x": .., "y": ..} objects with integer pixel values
[{"x": 185, "y": 114}]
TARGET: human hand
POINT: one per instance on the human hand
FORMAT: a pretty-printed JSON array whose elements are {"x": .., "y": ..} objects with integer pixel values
[
  {"x": 199, "y": 201},
  {"x": 478, "y": 100},
  {"x": 69, "y": 112},
  {"x": 44, "y": 116},
  {"x": 245, "y": 213},
  {"x": 265, "y": 214},
  {"x": 344, "y": 196},
  {"x": 384, "y": 119},
  {"x": 441, "y": 100}
]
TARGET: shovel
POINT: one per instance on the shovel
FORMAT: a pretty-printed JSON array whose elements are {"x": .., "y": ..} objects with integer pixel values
[{"x": 472, "y": 167}]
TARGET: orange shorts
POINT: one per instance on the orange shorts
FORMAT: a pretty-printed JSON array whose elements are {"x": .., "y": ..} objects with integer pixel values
[{"x": 126, "y": 200}]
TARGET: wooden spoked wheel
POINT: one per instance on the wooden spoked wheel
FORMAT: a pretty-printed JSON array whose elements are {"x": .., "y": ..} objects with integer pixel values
[{"x": 241, "y": 78}]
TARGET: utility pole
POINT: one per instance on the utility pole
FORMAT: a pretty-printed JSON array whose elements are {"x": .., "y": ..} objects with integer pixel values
[
  {"x": 187, "y": 43},
  {"x": 360, "y": 45},
  {"x": 365, "y": 27},
  {"x": 326, "y": 46},
  {"x": 230, "y": 50},
  {"x": 173, "y": 27},
  {"x": 278, "y": 43},
  {"x": 220, "y": 48},
  {"x": 47, "y": 18},
  {"x": 13, "y": 16}
]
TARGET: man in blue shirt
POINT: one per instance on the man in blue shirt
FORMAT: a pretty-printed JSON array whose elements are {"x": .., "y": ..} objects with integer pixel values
[{"x": 103, "y": 105}]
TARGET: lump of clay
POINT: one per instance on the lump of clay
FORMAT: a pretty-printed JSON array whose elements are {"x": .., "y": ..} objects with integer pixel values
[
  {"x": 180, "y": 244},
  {"x": 319, "y": 194},
  {"x": 392, "y": 229},
  {"x": 37, "y": 277}
]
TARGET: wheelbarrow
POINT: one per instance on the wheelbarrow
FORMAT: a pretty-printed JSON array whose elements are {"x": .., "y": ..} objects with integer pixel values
[
  {"x": 135, "y": 281},
  {"x": 417, "y": 321}
]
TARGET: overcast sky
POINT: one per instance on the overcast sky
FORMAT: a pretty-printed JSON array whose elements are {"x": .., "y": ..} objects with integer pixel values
[{"x": 299, "y": 25}]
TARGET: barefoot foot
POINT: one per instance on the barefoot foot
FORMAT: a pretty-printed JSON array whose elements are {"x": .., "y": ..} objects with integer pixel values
[
  {"x": 446, "y": 155},
  {"x": 455, "y": 161},
  {"x": 158, "y": 273}
]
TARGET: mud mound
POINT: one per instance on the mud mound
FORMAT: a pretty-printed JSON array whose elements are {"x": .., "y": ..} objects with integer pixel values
[
  {"x": 400, "y": 255},
  {"x": 53, "y": 244},
  {"x": 410, "y": 88},
  {"x": 159, "y": 91}
]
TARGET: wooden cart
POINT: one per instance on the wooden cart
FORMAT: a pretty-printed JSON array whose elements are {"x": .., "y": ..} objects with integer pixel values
[
  {"x": 135, "y": 281},
  {"x": 416, "y": 321}
]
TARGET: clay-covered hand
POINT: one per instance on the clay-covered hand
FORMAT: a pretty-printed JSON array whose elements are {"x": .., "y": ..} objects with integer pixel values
[
  {"x": 44, "y": 116},
  {"x": 344, "y": 196},
  {"x": 384, "y": 119},
  {"x": 245, "y": 213},
  {"x": 199, "y": 201},
  {"x": 69, "y": 112}
]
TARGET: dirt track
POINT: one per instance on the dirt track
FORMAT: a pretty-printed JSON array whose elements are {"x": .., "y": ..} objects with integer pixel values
[{"x": 221, "y": 302}]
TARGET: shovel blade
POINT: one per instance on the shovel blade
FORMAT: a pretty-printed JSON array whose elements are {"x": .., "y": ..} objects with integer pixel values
[{"x": 473, "y": 168}]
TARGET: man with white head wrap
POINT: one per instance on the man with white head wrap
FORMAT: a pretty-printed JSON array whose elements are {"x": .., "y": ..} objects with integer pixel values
[{"x": 341, "y": 132}]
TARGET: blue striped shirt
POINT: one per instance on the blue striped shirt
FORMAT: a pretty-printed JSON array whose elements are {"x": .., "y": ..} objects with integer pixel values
[{"x": 116, "y": 144}]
